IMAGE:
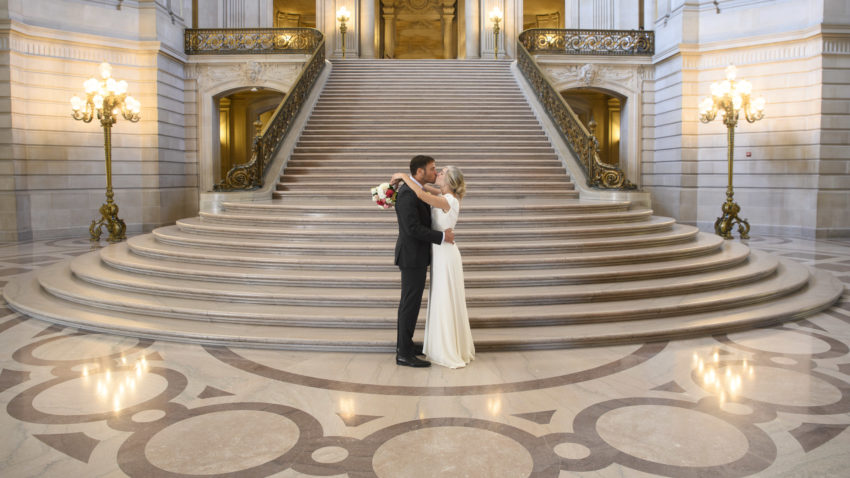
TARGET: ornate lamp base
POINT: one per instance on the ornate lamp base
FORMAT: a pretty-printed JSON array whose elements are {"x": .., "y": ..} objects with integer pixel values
[
  {"x": 724, "y": 224},
  {"x": 109, "y": 219}
]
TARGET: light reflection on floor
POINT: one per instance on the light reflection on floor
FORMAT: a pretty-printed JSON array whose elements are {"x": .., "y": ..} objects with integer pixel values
[{"x": 766, "y": 402}]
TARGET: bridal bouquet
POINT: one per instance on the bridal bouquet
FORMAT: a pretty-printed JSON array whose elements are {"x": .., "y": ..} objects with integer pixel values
[{"x": 384, "y": 195}]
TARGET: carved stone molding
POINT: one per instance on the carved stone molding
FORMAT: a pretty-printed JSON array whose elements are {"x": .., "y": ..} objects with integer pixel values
[
  {"x": 248, "y": 73},
  {"x": 630, "y": 77}
]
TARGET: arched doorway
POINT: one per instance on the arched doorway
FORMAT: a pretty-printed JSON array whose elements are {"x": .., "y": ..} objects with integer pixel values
[
  {"x": 605, "y": 108},
  {"x": 418, "y": 29},
  {"x": 237, "y": 112},
  {"x": 294, "y": 13},
  {"x": 542, "y": 14}
]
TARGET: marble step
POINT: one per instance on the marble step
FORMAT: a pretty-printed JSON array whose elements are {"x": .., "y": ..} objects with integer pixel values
[
  {"x": 411, "y": 149},
  {"x": 305, "y": 194},
  {"x": 300, "y": 175},
  {"x": 89, "y": 281},
  {"x": 246, "y": 255},
  {"x": 416, "y": 134},
  {"x": 676, "y": 234},
  {"x": 377, "y": 274},
  {"x": 393, "y": 161},
  {"x": 497, "y": 208},
  {"x": 469, "y": 141},
  {"x": 340, "y": 187},
  {"x": 464, "y": 233},
  {"x": 27, "y": 297},
  {"x": 307, "y": 221}
]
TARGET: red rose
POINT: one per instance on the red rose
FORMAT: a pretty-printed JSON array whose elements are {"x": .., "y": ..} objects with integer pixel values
[
  {"x": 390, "y": 193},
  {"x": 380, "y": 202}
]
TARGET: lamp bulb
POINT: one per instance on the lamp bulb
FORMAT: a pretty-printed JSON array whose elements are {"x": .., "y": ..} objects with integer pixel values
[
  {"x": 91, "y": 85},
  {"x": 105, "y": 70},
  {"x": 731, "y": 72}
]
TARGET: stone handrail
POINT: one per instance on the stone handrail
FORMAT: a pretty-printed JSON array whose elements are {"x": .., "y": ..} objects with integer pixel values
[
  {"x": 582, "y": 142},
  {"x": 589, "y": 42},
  {"x": 234, "y": 41},
  {"x": 269, "y": 138}
]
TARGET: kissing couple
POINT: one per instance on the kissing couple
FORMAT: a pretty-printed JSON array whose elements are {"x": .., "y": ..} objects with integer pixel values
[{"x": 427, "y": 207}]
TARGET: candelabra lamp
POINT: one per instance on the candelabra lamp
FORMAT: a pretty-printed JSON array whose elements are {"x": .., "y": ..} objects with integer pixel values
[
  {"x": 106, "y": 99},
  {"x": 729, "y": 98},
  {"x": 496, "y": 18},
  {"x": 342, "y": 16}
]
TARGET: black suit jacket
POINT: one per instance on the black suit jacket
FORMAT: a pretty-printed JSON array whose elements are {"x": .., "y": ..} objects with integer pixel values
[{"x": 415, "y": 236}]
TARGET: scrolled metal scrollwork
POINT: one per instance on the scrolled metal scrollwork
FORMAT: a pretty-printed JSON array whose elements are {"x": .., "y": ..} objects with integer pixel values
[
  {"x": 581, "y": 141},
  {"x": 267, "y": 142},
  {"x": 217, "y": 41},
  {"x": 589, "y": 42}
]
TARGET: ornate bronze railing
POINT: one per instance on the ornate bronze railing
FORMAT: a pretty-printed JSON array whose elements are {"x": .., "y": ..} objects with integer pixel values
[
  {"x": 589, "y": 42},
  {"x": 268, "y": 139},
  {"x": 581, "y": 141},
  {"x": 230, "y": 41}
]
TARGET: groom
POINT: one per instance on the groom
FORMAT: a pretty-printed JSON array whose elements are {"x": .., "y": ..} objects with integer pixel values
[{"x": 413, "y": 255}]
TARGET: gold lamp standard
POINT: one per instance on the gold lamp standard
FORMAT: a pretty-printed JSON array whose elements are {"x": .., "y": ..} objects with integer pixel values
[
  {"x": 729, "y": 98},
  {"x": 106, "y": 99},
  {"x": 496, "y": 18},
  {"x": 342, "y": 16}
]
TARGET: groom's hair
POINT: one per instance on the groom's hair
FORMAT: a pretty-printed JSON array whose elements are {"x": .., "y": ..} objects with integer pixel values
[{"x": 420, "y": 161}]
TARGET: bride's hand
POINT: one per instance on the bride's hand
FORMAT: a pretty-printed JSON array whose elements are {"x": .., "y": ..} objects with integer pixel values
[{"x": 397, "y": 178}]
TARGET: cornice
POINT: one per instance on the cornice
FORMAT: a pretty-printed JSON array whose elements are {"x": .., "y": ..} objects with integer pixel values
[
  {"x": 41, "y": 41},
  {"x": 805, "y": 43}
]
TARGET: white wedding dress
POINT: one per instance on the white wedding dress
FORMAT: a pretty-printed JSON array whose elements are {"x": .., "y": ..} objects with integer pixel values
[{"x": 448, "y": 339}]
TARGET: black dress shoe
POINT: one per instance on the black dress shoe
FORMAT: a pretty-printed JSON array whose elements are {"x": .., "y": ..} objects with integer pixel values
[{"x": 411, "y": 361}]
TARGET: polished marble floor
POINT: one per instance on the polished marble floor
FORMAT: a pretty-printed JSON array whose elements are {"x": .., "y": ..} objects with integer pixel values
[{"x": 766, "y": 402}]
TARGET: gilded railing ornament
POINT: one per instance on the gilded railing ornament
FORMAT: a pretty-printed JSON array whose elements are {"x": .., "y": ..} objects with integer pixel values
[
  {"x": 218, "y": 41},
  {"x": 589, "y": 42},
  {"x": 582, "y": 142},
  {"x": 266, "y": 143}
]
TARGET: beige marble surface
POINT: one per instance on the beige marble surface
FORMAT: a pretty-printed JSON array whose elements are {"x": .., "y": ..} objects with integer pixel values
[{"x": 766, "y": 402}]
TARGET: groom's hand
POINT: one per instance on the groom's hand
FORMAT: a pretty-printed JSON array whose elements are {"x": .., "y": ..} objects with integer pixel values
[{"x": 449, "y": 236}]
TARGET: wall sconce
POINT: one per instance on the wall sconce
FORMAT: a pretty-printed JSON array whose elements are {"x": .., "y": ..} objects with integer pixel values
[
  {"x": 106, "y": 99},
  {"x": 496, "y": 18},
  {"x": 342, "y": 16},
  {"x": 729, "y": 98}
]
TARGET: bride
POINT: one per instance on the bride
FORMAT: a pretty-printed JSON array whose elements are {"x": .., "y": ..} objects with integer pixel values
[{"x": 448, "y": 339}]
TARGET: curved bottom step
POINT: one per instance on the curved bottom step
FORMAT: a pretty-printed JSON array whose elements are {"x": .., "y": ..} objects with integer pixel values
[{"x": 27, "y": 297}]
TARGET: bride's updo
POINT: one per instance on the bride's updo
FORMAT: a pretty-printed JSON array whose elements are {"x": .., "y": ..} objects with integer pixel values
[{"x": 454, "y": 180}]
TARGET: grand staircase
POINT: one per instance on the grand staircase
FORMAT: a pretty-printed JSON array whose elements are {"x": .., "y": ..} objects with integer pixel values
[{"x": 312, "y": 267}]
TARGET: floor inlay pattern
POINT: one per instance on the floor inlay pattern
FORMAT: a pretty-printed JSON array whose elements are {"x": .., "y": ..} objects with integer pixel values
[{"x": 766, "y": 402}]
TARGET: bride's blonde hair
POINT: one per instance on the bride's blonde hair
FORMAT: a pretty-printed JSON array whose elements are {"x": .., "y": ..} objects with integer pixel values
[{"x": 454, "y": 179}]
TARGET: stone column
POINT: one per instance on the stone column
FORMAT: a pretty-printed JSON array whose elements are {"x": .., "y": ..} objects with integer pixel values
[
  {"x": 473, "y": 30},
  {"x": 367, "y": 28},
  {"x": 389, "y": 31},
  {"x": 448, "y": 18}
]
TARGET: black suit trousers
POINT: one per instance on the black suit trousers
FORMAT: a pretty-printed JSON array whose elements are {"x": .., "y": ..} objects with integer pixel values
[{"x": 412, "y": 287}]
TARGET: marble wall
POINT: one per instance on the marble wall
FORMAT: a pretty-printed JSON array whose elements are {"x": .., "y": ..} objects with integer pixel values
[
  {"x": 792, "y": 171},
  {"x": 53, "y": 168}
]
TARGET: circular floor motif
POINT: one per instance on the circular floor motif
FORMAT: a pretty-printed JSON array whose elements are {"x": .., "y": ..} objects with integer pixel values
[
  {"x": 450, "y": 452},
  {"x": 78, "y": 348},
  {"x": 242, "y": 439},
  {"x": 222, "y": 442},
  {"x": 330, "y": 454},
  {"x": 666, "y": 435},
  {"x": 87, "y": 347},
  {"x": 572, "y": 451},
  {"x": 781, "y": 341},
  {"x": 589, "y": 364},
  {"x": 95, "y": 395},
  {"x": 784, "y": 387}
]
